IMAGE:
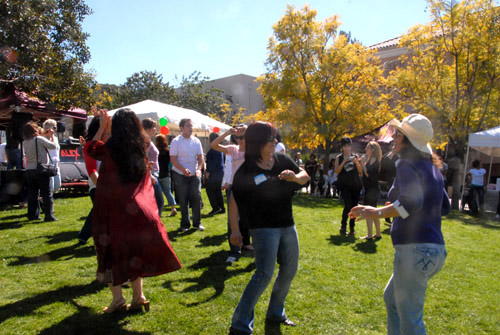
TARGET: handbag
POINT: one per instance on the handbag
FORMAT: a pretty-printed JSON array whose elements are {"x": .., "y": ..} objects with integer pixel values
[{"x": 45, "y": 169}]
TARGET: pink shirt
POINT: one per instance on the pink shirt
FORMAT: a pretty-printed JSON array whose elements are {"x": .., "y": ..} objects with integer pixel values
[{"x": 237, "y": 158}]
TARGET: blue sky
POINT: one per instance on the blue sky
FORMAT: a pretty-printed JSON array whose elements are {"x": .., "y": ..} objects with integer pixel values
[{"x": 219, "y": 38}]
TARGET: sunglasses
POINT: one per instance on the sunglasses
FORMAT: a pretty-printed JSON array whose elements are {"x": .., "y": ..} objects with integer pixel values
[
  {"x": 271, "y": 139},
  {"x": 242, "y": 137}
]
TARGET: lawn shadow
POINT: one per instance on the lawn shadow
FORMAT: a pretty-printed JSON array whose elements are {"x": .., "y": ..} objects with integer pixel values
[
  {"x": 73, "y": 251},
  {"x": 342, "y": 239},
  {"x": 210, "y": 241},
  {"x": 307, "y": 201},
  {"x": 85, "y": 321},
  {"x": 64, "y": 294},
  {"x": 64, "y": 236},
  {"x": 272, "y": 328},
  {"x": 367, "y": 247},
  {"x": 215, "y": 275},
  {"x": 11, "y": 225},
  {"x": 484, "y": 220},
  {"x": 174, "y": 234}
]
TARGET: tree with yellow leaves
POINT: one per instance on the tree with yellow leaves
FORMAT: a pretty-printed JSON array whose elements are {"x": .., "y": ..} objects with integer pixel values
[
  {"x": 452, "y": 73},
  {"x": 319, "y": 85}
]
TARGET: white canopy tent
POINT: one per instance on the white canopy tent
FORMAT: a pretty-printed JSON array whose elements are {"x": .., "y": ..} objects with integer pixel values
[
  {"x": 202, "y": 124},
  {"x": 487, "y": 142}
]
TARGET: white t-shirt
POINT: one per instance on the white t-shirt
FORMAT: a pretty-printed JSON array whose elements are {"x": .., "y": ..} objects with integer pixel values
[
  {"x": 186, "y": 150},
  {"x": 237, "y": 158},
  {"x": 54, "y": 153},
  {"x": 280, "y": 147},
  {"x": 3, "y": 156},
  {"x": 478, "y": 176}
]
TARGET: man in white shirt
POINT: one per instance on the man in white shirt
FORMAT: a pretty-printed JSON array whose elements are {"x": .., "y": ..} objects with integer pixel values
[{"x": 186, "y": 155}]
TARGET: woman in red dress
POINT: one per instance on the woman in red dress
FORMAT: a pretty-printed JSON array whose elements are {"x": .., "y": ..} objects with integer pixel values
[{"x": 129, "y": 237}]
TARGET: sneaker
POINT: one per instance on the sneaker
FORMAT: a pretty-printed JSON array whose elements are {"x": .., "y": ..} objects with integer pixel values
[
  {"x": 184, "y": 229},
  {"x": 200, "y": 227},
  {"x": 230, "y": 260}
]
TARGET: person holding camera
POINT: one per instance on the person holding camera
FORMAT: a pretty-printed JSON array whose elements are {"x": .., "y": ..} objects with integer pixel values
[{"x": 348, "y": 169}]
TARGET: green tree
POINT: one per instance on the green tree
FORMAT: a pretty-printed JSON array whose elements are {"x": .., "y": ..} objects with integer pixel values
[
  {"x": 319, "y": 85},
  {"x": 146, "y": 85},
  {"x": 452, "y": 73},
  {"x": 195, "y": 92},
  {"x": 43, "y": 50}
]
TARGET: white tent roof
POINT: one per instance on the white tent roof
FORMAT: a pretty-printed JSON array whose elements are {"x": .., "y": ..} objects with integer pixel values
[
  {"x": 202, "y": 124},
  {"x": 486, "y": 141}
]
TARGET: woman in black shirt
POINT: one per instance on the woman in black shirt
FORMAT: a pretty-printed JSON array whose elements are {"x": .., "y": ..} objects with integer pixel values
[{"x": 262, "y": 193}]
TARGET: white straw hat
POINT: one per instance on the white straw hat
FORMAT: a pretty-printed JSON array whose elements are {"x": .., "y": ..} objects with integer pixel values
[{"x": 418, "y": 129}]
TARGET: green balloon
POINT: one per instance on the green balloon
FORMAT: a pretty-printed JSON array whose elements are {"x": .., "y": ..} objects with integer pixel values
[{"x": 163, "y": 122}]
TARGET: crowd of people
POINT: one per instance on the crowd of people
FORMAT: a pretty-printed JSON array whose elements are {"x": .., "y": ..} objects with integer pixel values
[{"x": 131, "y": 168}]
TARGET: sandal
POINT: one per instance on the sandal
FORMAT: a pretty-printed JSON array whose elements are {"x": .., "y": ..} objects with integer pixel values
[{"x": 115, "y": 307}]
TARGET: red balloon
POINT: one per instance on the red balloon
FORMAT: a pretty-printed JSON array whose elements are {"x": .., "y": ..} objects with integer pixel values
[
  {"x": 164, "y": 130},
  {"x": 216, "y": 129}
]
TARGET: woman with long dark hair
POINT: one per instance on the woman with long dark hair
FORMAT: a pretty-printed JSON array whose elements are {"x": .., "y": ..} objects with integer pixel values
[
  {"x": 418, "y": 200},
  {"x": 263, "y": 188},
  {"x": 129, "y": 237}
]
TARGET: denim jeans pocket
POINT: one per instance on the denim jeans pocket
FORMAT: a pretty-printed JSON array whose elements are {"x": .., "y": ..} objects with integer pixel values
[{"x": 426, "y": 259}]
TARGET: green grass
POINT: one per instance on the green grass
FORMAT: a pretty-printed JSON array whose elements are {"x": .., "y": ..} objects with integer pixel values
[{"x": 48, "y": 282}]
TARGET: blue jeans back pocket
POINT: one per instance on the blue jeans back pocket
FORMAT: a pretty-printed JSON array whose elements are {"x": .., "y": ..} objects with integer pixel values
[{"x": 426, "y": 259}]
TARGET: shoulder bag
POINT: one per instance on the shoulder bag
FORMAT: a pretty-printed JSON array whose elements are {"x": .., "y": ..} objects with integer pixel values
[{"x": 45, "y": 169}]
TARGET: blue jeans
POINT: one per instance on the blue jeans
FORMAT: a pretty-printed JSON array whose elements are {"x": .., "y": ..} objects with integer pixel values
[
  {"x": 166, "y": 187},
  {"x": 234, "y": 251},
  {"x": 160, "y": 202},
  {"x": 270, "y": 244},
  {"x": 14, "y": 158},
  {"x": 39, "y": 185},
  {"x": 55, "y": 182},
  {"x": 188, "y": 191},
  {"x": 404, "y": 295}
]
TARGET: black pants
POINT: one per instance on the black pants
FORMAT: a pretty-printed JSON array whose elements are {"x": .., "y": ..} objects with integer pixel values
[
  {"x": 86, "y": 231},
  {"x": 214, "y": 191},
  {"x": 39, "y": 185},
  {"x": 351, "y": 199}
]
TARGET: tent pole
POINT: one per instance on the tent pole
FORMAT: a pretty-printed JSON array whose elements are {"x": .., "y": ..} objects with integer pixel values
[
  {"x": 463, "y": 181},
  {"x": 489, "y": 172}
]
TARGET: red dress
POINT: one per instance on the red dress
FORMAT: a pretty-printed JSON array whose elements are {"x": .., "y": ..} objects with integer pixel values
[{"x": 129, "y": 237}]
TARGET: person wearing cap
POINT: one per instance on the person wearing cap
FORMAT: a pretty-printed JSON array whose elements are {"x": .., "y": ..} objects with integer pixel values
[
  {"x": 418, "y": 201},
  {"x": 348, "y": 169}
]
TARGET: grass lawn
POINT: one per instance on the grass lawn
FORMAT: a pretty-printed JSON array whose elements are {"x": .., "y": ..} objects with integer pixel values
[{"x": 48, "y": 281}]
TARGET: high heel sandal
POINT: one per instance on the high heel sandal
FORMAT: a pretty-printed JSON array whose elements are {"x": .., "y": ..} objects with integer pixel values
[
  {"x": 119, "y": 307},
  {"x": 137, "y": 306}
]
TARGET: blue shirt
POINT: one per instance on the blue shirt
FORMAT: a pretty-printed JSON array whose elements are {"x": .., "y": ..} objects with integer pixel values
[
  {"x": 215, "y": 162},
  {"x": 419, "y": 196}
]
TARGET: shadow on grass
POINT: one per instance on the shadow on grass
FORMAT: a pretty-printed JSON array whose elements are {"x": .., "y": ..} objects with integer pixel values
[
  {"x": 84, "y": 321},
  {"x": 212, "y": 241},
  {"x": 64, "y": 236},
  {"x": 306, "y": 201},
  {"x": 174, "y": 234},
  {"x": 342, "y": 239},
  {"x": 64, "y": 294},
  {"x": 484, "y": 220},
  {"x": 11, "y": 225},
  {"x": 272, "y": 328},
  {"x": 72, "y": 251},
  {"x": 214, "y": 276},
  {"x": 367, "y": 247}
]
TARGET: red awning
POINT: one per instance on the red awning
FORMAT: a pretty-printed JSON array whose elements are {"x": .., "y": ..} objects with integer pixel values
[{"x": 13, "y": 100}]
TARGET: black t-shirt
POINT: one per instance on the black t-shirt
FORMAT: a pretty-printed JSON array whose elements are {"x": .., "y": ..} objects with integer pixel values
[
  {"x": 163, "y": 162},
  {"x": 263, "y": 200},
  {"x": 373, "y": 173},
  {"x": 349, "y": 178}
]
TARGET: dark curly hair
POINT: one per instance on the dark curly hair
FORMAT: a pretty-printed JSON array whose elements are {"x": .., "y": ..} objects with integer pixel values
[{"x": 127, "y": 145}]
